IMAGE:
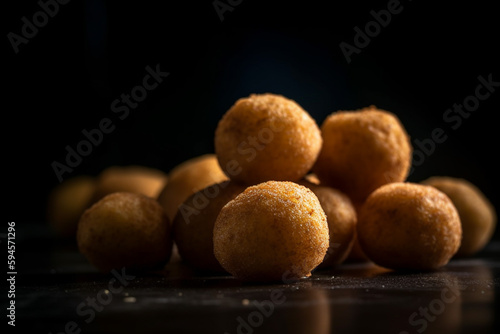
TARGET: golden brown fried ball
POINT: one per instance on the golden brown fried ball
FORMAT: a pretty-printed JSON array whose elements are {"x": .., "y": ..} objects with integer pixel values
[
  {"x": 67, "y": 202},
  {"x": 193, "y": 225},
  {"x": 477, "y": 214},
  {"x": 362, "y": 150},
  {"x": 266, "y": 137},
  {"x": 409, "y": 226},
  {"x": 356, "y": 254},
  {"x": 125, "y": 230},
  {"x": 187, "y": 178},
  {"x": 137, "y": 179},
  {"x": 341, "y": 217},
  {"x": 273, "y": 231}
]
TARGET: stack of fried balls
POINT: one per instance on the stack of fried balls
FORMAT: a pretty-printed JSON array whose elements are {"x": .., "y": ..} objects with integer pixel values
[{"x": 279, "y": 198}]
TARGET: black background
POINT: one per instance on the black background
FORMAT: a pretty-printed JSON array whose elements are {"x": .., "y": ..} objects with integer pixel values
[{"x": 65, "y": 78}]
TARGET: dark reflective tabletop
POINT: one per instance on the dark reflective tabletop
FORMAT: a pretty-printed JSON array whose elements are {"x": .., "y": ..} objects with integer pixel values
[{"x": 58, "y": 291}]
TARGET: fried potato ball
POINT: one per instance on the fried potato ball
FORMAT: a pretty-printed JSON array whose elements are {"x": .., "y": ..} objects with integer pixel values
[
  {"x": 193, "y": 224},
  {"x": 125, "y": 230},
  {"x": 137, "y": 179},
  {"x": 266, "y": 137},
  {"x": 412, "y": 226},
  {"x": 341, "y": 217},
  {"x": 187, "y": 178},
  {"x": 356, "y": 254},
  {"x": 272, "y": 231},
  {"x": 477, "y": 214},
  {"x": 66, "y": 203},
  {"x": 363, "y": 150}
]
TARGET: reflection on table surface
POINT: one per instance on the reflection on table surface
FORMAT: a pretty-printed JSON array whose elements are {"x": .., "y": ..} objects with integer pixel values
[{"x": 61, "y": 290}]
